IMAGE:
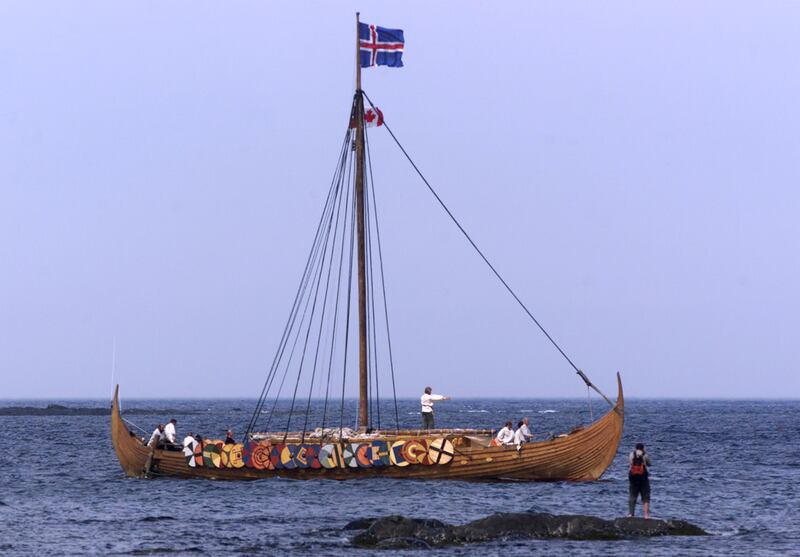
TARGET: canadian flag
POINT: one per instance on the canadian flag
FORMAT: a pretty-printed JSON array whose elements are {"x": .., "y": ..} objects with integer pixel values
[{"x": 373, "y": 117}]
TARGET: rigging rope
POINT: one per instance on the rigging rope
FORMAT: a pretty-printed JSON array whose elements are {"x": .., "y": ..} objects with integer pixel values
[
  {"x": 298, "y": 295},
  {"x": 322, "y": 316},
  {"x": 336, "y": 308},
  {"x": 134, "y": 425},
  {"x": 485, "y": 259},
  {"x": 347, "y": 321},
  {"x": 383, "y": 281},
  {"x": 297, "y": 334},
  {"x": 372, "y": 319},
  {"x": 310, "y": 323}
]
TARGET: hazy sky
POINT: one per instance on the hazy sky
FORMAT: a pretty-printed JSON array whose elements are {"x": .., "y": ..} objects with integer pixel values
[{"x": 631, "y": 169}]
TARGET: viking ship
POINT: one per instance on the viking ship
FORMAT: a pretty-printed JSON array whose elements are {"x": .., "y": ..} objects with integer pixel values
[{"x": 320, "y": 342}]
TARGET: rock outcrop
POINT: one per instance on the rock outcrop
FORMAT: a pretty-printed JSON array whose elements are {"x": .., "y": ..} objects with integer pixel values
[{"x": 399, "y": 532}]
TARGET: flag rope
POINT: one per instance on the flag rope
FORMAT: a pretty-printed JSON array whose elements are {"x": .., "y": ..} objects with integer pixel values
[{"x": 483, "y": 256}]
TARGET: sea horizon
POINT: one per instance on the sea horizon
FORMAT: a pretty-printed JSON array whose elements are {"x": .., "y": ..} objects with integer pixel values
[{"x": 409, "y": 398}]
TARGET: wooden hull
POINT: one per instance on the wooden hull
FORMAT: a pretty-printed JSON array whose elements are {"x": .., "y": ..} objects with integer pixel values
[{"x": 583, "y": 455}]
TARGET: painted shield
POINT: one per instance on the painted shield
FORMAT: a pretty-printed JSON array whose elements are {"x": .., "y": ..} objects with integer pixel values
[
  {"x": 349, "y": 455},
  {"x": 225, "y": 456},
  {"x": 415, "y": 451},
  {"x": 330, "y": 456},
  {"x": 198, "y": 454},
  {"x": 396, "y": 454},
  {"x": 236, "y": 456},
  {"x": 425, "y": 459},
  {"x": 247, "y": 454},
  {"x": 364, "y": 455},
  {"x": 440, "y": 451},
  {"x": 188, "y": 453},
  {"x": 301, "y": 456},
  {"x": 211, "y": 455},
  {"x": 312, "y": 456},
  {"x": 275, "y": 456},
  {"x": 287, "y": 456},
  {"x": 379, "y": 455},
  {"x": 259, "y": 458}
]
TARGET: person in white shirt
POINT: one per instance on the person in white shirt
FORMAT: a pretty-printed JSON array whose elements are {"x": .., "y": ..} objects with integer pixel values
[
  {"x": 523, "y": 434},
  {"x": 189, "y": 443},
  {"x": 155, "y": 438},
  {"x": 427, "y": 401},
  {"x": 169, "y": 431},
  {"x": 506, "y": 435}
]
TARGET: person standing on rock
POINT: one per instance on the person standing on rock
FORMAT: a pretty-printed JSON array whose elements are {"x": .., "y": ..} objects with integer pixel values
[
  {"x": 427, "y": 401},
  {"x": 638, "y": 480}
]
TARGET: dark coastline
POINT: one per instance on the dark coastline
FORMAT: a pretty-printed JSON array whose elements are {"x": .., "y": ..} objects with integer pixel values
[{"x": 61, "y": 410}]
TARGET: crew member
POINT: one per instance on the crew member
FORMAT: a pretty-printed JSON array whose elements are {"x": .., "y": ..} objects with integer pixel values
[
  {"x": 155, "y": 438},
  {"x": 427, "y": 401},
  {"x": 523, "y": 433},
  {"x": 229, "y": 440},
  {"x": 506, "y": 435},
  {"x": 189, "y": 443},
  {"x": 169, "y": 431}
]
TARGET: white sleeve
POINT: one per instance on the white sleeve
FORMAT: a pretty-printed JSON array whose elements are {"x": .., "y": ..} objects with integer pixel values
[{"x": 437, "y": 397}]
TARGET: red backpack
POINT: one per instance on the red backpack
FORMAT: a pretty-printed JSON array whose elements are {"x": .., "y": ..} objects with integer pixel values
[{"x": 637, "y": 466}]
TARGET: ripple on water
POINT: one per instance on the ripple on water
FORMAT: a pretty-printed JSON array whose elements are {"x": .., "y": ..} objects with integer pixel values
[{"x": 744, "y": 496}]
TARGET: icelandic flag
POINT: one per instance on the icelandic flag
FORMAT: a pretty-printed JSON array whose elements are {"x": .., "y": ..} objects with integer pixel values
[{"x": 379, "y": 46}]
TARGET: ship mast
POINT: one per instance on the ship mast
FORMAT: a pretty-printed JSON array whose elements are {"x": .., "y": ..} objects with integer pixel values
[{"x": 358, "y": 107}]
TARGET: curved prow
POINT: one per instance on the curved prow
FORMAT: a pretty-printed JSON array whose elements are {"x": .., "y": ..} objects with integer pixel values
[
  {"x": 131, "y": 451},
  {"x": 609, "y": 431}
]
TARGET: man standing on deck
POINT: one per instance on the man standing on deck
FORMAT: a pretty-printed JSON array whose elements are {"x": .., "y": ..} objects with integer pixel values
[
  {"x": 169, "y": 431},
  {"x": 427, "y": 401},
  {"x": 189, "y": 443}
]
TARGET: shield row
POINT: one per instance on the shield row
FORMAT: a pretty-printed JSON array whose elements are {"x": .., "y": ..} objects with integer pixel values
[{"x": 264, "y": 455}]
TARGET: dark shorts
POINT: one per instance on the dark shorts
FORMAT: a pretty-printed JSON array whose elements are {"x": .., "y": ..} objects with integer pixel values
[{"x": 639, "y": 486}]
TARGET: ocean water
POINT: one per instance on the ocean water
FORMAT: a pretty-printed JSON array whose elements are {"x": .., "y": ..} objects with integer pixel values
[{"x": 731, "y": 467}]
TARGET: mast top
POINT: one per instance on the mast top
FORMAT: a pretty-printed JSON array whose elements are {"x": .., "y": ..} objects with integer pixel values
[{"x": 358, "y": 55}]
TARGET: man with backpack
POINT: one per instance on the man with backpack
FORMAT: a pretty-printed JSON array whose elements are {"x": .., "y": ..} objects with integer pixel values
[{"x": 638, "y": 480}]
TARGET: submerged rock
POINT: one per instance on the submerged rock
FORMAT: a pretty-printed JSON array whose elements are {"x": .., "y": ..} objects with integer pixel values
[
  {"x": 640, "y": 527},
  {"x": 538, "y": 525},
  {"x": 399, "y": 532},
  {"x": 359, "y": 524}
]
